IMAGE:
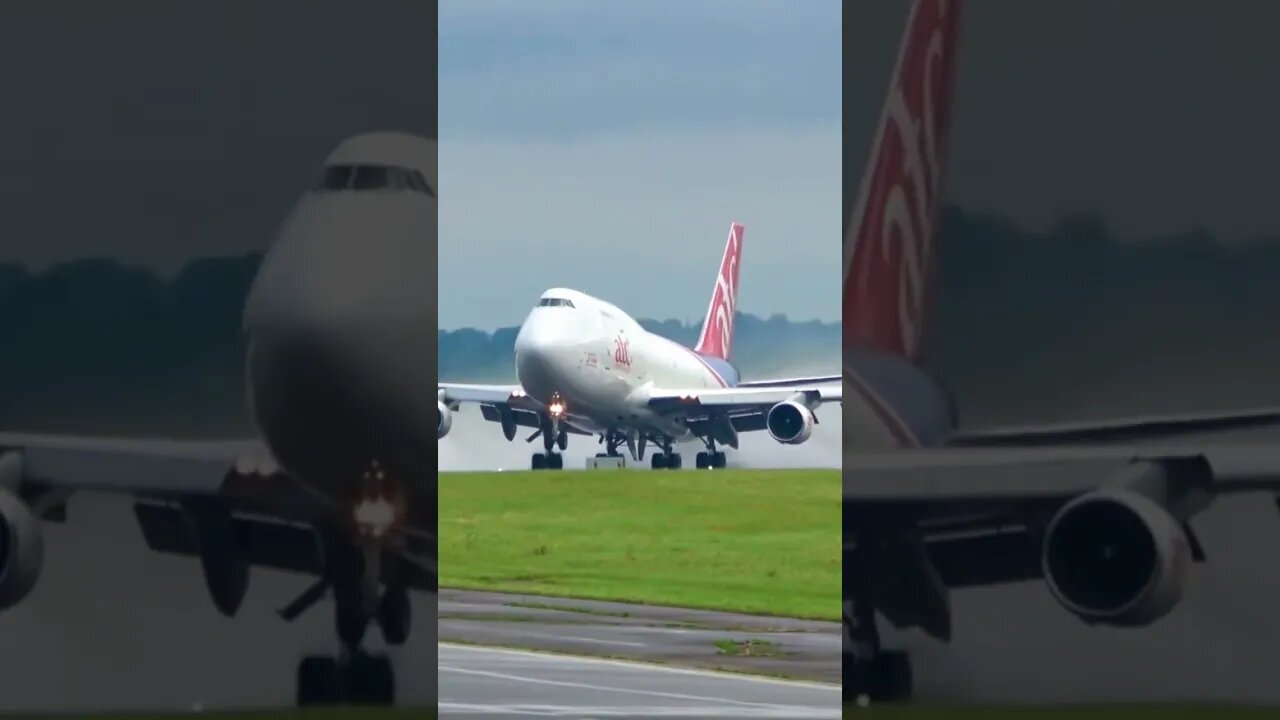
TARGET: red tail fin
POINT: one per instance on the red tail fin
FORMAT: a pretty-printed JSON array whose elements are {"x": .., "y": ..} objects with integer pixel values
[
  {"x": 889, "y": 248},
  {"x": 717, "y": 329}
]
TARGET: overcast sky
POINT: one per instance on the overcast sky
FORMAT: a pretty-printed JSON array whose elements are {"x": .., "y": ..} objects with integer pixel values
[
  {"x": 1158, "y": 114},
  {"x": 157, "y": 131},
  {"x": 607, "y": 147}
]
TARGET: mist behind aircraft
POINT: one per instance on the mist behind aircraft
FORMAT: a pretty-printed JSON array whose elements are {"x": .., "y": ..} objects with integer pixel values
[{"x": 474, "y": 444}]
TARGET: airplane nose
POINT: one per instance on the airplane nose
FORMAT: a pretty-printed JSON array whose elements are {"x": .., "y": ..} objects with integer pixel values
[{"x": 541, "y": 357}]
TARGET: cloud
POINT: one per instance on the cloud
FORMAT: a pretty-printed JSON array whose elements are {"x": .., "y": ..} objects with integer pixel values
[
  {"x": 570, "y": 69},
  {"x": 641, "y": 221}
]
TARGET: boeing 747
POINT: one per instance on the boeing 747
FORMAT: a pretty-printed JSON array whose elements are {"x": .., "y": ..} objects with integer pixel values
[{"x": 586, "y": 367}]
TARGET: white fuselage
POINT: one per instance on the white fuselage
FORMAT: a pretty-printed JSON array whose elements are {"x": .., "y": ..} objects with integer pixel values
[
  {"x": 602, "y": 364},
  {"x": 341, "y": 324}
]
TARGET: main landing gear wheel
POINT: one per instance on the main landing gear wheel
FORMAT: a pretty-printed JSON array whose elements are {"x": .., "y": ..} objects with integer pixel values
[
  {"x": 711, "y": 460},
  {"x": 361, "y": 680},
  {"x": 547, "y": 461},
  {"x": 666, "y": 461}
]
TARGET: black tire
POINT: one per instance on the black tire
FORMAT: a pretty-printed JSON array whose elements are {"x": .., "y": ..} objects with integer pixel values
[
  {"x": 658, "y": 461},
  {"x": 885, "y": 679},
  {"x": 317, "y": 681},
  {"x": 373, "y": 680},
  {"x": 893, "y": 676},
  {"x": 675, "y": 461},
  {"x": 395, "y": 616},
  {"x": 538, "y": 462},
  {"x": 555, "y": 461},
  {"x": 701, "y": 461},
  {"x": 718, "y": 460}
]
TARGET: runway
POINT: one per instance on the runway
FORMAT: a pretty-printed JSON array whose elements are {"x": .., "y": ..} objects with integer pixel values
[
  {"x": 799, "y": 649},
  {"x": 491, "y": 683},
  {"x": 113, "y": 627}
]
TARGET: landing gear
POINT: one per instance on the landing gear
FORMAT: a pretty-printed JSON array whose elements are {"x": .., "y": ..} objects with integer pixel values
[
  {"x": 395, "y": 615},
  {"x": 870, "y": 672},
  {"x": 666, "y": 461},
  {"x": 711, "y": 459},
  {"x": 358, "y": 679},
  {"x": 354, "y": 572},
  {"x": 547, "y": 461},
  {"x": 612, "y": 440},
  {"x": 552, "y": 436}
]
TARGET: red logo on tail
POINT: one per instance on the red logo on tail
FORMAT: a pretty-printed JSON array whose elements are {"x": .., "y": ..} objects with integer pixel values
[
  {"x": 717, "y": 328},
  {"x": 889, "y": 249}
]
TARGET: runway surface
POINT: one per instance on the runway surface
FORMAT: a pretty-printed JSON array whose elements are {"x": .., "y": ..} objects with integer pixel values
[
  {"x": 111, "y": 626},
  {"x": 490, "y": 683},
  {"x": 806, "y": 649}
]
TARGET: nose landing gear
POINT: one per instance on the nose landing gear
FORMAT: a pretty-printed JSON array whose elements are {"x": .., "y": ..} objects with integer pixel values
[
  {"x": 552, "y": 436},
  {"x": 355, "y": 569}
]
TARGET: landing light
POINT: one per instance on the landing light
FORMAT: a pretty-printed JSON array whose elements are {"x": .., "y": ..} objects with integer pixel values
[
  {"x": 374, "y": 516},
  {"x": 556, "y": 408}
]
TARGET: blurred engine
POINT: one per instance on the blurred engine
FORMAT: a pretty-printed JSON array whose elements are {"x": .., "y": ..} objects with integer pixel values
[
  {"x": 444, "y": 420},
  {"x": 1116, "y": 558},
  {"x": 21, "y": 549},
  {"x": 790, "y": 422}
]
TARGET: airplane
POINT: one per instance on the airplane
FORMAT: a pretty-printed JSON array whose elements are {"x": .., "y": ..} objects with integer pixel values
[
  {"x": 1099, "y": 511},
  {"x": 585, "y": 367},
  {"x": 340, "y": 483}
]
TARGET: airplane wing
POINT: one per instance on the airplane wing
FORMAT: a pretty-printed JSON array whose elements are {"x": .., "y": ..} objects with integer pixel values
[
  {"x": 1118, "y": 429},
  {"x": 509, "y": 405},
  {"x": 745, "y": 407},
  {"x": 173, "y": 482},
  {"x": 793, "y": 382},
  {"x": 969, "y": 516}
]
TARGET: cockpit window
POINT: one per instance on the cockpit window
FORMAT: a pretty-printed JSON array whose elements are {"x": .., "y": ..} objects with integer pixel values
[
  {"x": 371, "y": 177},
  {"x": 362, "y": 178},
  {"x": 336, "y": 177},
  {"x": 555, "y": 302}
]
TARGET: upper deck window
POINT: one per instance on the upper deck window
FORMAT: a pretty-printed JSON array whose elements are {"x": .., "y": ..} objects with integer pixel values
[{"x": 363, "y": 178}]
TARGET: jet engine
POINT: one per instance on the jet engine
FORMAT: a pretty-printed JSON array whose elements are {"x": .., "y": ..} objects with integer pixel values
[
  {"x": 1116, "y": 558},
  {"x": 444, "y": 420},
  {"x": 790, "y": 422},
  {"x": 21, "y": 549}
]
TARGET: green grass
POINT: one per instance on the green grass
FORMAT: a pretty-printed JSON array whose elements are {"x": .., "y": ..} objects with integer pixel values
[{"x": 756, "y": 541}]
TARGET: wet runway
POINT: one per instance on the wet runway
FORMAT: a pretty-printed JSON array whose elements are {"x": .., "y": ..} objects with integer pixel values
[
  {"x": 491, "y": 683},
  {"x": 800, "y": 649}
]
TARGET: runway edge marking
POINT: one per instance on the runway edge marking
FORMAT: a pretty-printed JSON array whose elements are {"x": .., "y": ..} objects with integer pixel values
[{"x": 570, "y": 657}]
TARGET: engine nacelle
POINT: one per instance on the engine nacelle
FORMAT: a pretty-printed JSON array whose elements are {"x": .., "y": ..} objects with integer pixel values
[
  {"x": 790, "y": 422},
  {"x": 444, "y": 420},
  {"x": 1116, "y": 557},
  {"x": 21, "y": 549}
]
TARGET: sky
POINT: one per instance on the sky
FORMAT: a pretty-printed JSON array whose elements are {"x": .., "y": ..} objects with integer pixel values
[
  {"x": 154, "y": 132},
  {"x": 610, "y": 148},
  {"x": 607, "y": 147}
]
